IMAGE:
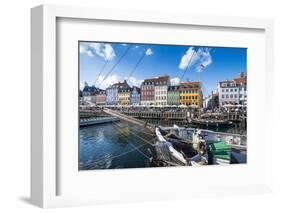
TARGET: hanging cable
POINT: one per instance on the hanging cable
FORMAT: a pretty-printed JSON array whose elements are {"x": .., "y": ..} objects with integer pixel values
[
  {"x": 104, "y": 65},
  {"x": 138, "y": 63},
  {"x": 134, "y": 145},
  {"x": 113, "y": 67},
  {"x": 188, "y": 65},
  {"x": 116, "y": 156},
  {"x": 138, "y": 137}
]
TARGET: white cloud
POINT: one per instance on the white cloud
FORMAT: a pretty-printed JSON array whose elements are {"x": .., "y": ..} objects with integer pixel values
[
  {"x": 175, "y": 81},
  {"x": 104, "y": 83},
  {"x": 186, "y": 58},
  {"x": 205, "y": 58},
  {"x": 112, "y": 79},
  {"x": 84, "y": 50},
  {"x": 103, "y": 50},
  {"x": 149, "y": 52},
  {"x": 200, "y": 58},
  {"x": 100, "y": 49},
  {"x": 132, "y": 81}
]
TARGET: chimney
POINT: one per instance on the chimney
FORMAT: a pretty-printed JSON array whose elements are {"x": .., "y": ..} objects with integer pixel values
[{"x": 242, "y": 74}]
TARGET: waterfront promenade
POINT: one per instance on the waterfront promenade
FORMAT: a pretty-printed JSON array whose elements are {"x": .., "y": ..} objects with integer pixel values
[{"x": 100, "y": 120}]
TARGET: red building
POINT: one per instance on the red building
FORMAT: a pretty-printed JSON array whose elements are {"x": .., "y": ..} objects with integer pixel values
[{"x": 148, "y": 89}]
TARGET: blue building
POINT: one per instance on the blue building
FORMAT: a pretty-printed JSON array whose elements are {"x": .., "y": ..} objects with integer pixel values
[
  {"x": 112, "y": 92},
  {"x": 135, "y": 96}
]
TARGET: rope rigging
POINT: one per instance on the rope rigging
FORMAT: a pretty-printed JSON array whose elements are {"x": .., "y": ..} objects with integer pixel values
[
  {"x": 113, "y": 67},
  {"x": 188, "y": 65},
  {"x": 104, "y": 65},
  {"x": 116, "y": 156},
  {"x": 132, "y": 144},
  {"x": 138, "y": 63},
  {"x": 143, "y": 128},
  {"x": 148, "y": 142}
]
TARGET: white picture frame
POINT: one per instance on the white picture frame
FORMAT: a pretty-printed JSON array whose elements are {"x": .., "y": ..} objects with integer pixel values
[{"x": 44, "y": 153}]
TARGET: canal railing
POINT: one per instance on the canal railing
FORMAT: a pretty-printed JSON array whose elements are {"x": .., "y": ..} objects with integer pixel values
[
  {"x": 93, "y": 121},
  {"x": 160, "y": 115}
]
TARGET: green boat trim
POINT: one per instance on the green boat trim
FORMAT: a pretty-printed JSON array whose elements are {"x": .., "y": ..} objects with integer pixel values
[{"x": 220, "y": 150}]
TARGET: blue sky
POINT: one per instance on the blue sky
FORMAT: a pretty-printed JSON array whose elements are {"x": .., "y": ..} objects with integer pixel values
[{"x": 210, "y": 64}]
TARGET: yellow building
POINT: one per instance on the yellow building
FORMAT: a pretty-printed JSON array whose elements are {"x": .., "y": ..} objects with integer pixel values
[
  {"x": 124, "y": 96},
  {"x": 191, "y": 94}
]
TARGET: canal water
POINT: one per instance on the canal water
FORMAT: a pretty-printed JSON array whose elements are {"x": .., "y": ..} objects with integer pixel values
[
  {"x": 114, "y": 145},
  {"x": 123, "y": 145}
]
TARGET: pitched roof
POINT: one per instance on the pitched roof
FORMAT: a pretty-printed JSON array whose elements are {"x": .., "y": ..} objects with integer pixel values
[
  {"x": 101, "y": 92},
  {"x": 195, "y": 84},
  {"x": 120, "y": 85},
  {"x": 91, "y": 89},
  {"x": 173, "y": 88},
  {"x": 137, "y": 88},
  {"x": 241, "y": 80},
  {"x": 158, "y": 79}
]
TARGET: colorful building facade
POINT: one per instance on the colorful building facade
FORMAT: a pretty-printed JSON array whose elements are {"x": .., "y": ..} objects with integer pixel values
[
  {"x": 173, "y": 95},
  {"x": 88, "y": 93},
  {"x": 161, "y": 89},
  {"x": 233, "y": 92},
  {"x": 112, "y": 92},
  {"x": 135, "y": 96},
  {"x": 154, "y": 91},
  {"x": 101, "y": 97},
  {"x": 124, "y": 96},
  {"x": 147, "y": 92},
  {"x": 191, "y": 94}
]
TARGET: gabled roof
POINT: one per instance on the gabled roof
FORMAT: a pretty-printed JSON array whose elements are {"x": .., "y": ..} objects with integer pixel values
[
  {"x": 195, "y": 84},
  {"x": 158, "y": 79},
  {"x": 90, "y": 89},
  {"x": 120, "y": 85},
  {"x": 173, "y": 88},
  {"x": 137, "y": 88},
  {"x": 241, "y": 80},
  {"x": 101, "y": 92},
  {"x": 124, "y": 90}
]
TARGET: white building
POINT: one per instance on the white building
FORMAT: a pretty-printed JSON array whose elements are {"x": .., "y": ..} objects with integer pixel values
[
  {"x": 228, "y": 93},
  {"x": 161, "y": 91},
  {"x": 161, "y": 95},
  {"x": 233, "y": 91}
]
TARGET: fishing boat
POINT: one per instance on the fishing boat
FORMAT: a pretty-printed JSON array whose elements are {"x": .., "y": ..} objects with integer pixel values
[
  {"x": 166, "y": 151},
  {"x": 214, "y": 150}
]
